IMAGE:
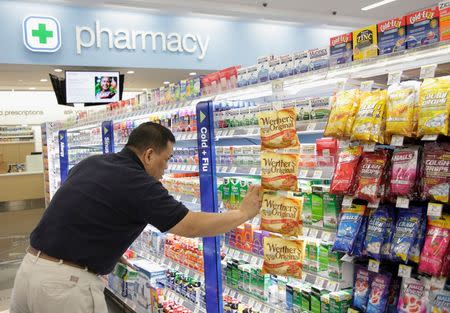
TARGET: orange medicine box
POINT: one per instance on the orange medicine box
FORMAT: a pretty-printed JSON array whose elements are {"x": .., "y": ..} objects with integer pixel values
[
  {"x": 248, "y": 237},
  {"x": 444, "y": 23},
  {"x": 240, "y": 240},
  {"x": 365, "y": 43}
]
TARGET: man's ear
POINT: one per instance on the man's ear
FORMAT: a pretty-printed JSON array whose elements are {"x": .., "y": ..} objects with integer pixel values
[{"x": 148, "y": 154}]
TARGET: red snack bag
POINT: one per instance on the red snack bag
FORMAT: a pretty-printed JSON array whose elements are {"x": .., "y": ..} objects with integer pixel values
[
  {"x": 344, "y": 175},
  {"x": 436, "y": 172},
  {"x": 404, "y": 171},
  {"x": 326, "y": 151},
  {"x": 436, "y": 245},
  {"x": 370, "y": 174}
]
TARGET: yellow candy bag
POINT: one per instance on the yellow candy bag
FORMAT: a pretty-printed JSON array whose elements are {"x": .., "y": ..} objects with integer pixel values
[
  {"x": 279, "y": 171},
  {"x": 343, "y": 108},
  {"x": 400, "y": 108},
  {"x": 434, "y": 106},
  {"x": 278, "y": 129},
  {"x": 283, "y": 257},
  {"x": 368, "y": 121},
  {"x": 281, "y": 214}
]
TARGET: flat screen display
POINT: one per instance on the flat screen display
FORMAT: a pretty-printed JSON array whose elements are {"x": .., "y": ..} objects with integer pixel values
[{"x": 92, "y": 87}]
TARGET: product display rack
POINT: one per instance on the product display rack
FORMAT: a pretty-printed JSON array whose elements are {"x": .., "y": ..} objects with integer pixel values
[
  {"x": 16, "y": 134},
  {"x": 319, "y": 84}
]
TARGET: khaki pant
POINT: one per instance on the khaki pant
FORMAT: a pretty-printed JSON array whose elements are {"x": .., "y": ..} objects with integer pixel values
[{"x": 43, "y": 286}]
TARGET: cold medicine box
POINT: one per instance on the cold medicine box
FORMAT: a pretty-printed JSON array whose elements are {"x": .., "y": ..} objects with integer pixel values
[
  {"x": 422, "y": 27},
  {"x": 392, "y": 35},
  {"x": 341, "y": 49},
  {"x": 365, "y": 43},
  {"x": 444, "y": 17}
]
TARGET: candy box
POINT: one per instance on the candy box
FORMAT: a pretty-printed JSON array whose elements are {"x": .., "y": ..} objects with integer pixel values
[
  {"x": 444, "y": 20},
  {"x": 240, "y": 239},
  {"x": 297, "y": 300},
  {"x": 263, "y": 68},
  {"x": 274, "y": 68},
  {"x": 392, "y": 35},
  {"x": 340, "y": 301},
  {"x": 365, "y": 43},
  {"x": 300, "y": 62},
  {"x": 422, "y": 27},
  {"x": 306, "y": 298},
  {"x": 318, "y": 58},
  {"x": 341, "y": 49},
  {"x": 242, "y": 79},
  {"x": 325, "y": 303},
  {"x": 248, "y": 237},
  {"x": 320, "y": 108},
  {"x": 252, "y": 75},
  {"x": 286, "y": 67},
  {"x": 316, "y": 294}
]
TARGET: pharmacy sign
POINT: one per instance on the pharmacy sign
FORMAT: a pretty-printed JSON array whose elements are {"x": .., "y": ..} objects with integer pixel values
[{"x": 42, "y": 33}]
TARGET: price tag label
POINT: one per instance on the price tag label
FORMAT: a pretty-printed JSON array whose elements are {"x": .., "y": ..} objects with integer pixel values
[
  {"x": 194, "y": 200},
  {"x": 394, "y": 78},
  {"x": 428, "y": 71},
  {"x": 253, "y": 171},
  {"x": 251, "y": 302},
  {"x": 313, "y": 233},
  {"x": 434, "y": 209},
  {"x": 311, "y": 127},
  {"x": 246, "y": 257},
  {"x": 241, "y": 255},
  {"x": 317, "y": 174},
  {"x": 319, "y": 281},
  {"x": 231, "y": 132},
  {"x": 344, "y": 143},
  {"x": 277, "y": 86},
  {"x": 233, "y": 170},
  {"x": 253, "y": 260},
  {"x": 430, "y": 138},
  {"x": 326, "y": 236},
  {"x": 402, "y": 203},
  {"x": 303, "y": 173},
  {"x": 224, "y": 169},
  {"x": 367, "y": 85},
  {"x": 239, "y": 297},
  {"x": 258, "y": 306},
  {"x": 374, "y": 205},
  {"x": 438, "y": 283},
  {"x": 178, "y": 197},
  {"x": 397, "y": 141},
  {"x": 347, "y": 201},
  {"x": 265, "y": 309},
  {"x": 404, "y": 271},
  {"x": 332, "y": 286},
  {"x": 374, "y": 266},
  {"x": 369, "y": 147},
  {"x": 350, "y": 310},
  {"x": 347, "y": 258}
]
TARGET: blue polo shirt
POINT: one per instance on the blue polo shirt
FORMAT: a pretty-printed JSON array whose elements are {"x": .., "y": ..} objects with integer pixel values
[{"x": 101, "y": 208}]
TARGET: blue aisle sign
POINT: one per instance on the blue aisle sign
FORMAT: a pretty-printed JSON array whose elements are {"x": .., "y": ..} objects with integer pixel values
[
  {"x": 209, "y": 203},
  {"x": 108, "y": 137},
  {"x": 63, "y": 154}
]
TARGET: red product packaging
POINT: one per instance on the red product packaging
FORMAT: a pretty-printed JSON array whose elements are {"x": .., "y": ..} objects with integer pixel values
[
  {"x": 206, "y": 83},
  {"x": 436, "y": 245},
  {"x": 436, "y": 172},
  {"x": 326, "y": 151},
  {"x": 444, "y": 22},
  {"x": 405, "y": 165},
  {"x": 344, "y": 174},
  {"x": 214, "y": 79},
  {"x": 370, "y": 175}
]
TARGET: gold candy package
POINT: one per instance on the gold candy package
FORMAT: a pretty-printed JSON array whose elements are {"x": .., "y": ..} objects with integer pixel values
[
  {"x": 281, "y": 214},
  {"x": 434, "y": 106},
  {"x": 283, "y": 257},
  {"x": 278, "y": 129},
  {"x": 368, "y": 124},
  {"x": 402, "y": 101},
  {"x": 343, "y": 109},
  {"x": 279, "y": 171}
]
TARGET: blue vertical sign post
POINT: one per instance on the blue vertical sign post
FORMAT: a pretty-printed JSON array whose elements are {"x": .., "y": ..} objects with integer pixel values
[
  {"x": 209, "y": 203},
  {"x": 63, "y": 154},
  {"x": 108, "y": 137}
]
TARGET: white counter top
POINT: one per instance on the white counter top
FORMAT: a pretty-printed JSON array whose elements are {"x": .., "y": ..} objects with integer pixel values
[{"x": 20, "y": 174}]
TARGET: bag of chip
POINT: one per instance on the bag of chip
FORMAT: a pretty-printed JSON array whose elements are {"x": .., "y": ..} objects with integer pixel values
[
  {"x": 376, "y": 230},
  {"x": 349, "y": 225},
  {"x": 283, "y": 257},
  {"x": 413, "y": 296},
  {"x": 436, "y": 172},
  {"x": 405, "y": 233},
  {"x": 394, "y": 292},
  {"x": 281, "y": 214},
  {"x": 279, "y": 171},
  {"x": 379, "y": 291},
  {"x": 402, "y": 100},
  {"x": 434, "y": 250},
  {"x": 343, "y": 109},
  {"x": 278, "y": 129},
  {"x": 405, "y": 170},
  {"x": 439, "y": 302},
  {"x": 361, "y": 289},
  {"x": 389, "y": 233},
  {"x": 434, "y": 106},
  {"x": 344, "y": 175},
  {"x": 370, "y": 174}
]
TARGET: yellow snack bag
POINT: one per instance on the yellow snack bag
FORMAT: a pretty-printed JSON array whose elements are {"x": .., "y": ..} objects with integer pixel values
[
  {"x": 281, "y": 214},
  {"x": 278, "y": 129},
  {"x": 401, "y": 103},
  {"x": 379, "y": 121},
  {"x": 279, "y": 171},
  {"x": 368, "y": 120},
  {"x": 343, "y": 108},
  {"x": 283, "y": 257},
  {"x": 434, "y": 106}
]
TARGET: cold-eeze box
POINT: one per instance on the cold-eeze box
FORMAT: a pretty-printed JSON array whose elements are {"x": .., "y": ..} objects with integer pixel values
[
  {"x": 392, "y": 35},
  {"x": 422, "y": 27},
  {"x": 444, "y": 20},
  {"x": 341, "y": 49}
]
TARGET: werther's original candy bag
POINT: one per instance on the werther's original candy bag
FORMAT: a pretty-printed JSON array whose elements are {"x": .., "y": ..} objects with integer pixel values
[
  {"x": 278, "y": 129},
  {"x": 283, "y": 257},
  {"x": 279, "y": 171},
  {"x": 281, "y": 213}
]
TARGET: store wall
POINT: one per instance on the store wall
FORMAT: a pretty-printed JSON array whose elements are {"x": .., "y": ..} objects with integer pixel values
[{"x": 224, "y": 42}]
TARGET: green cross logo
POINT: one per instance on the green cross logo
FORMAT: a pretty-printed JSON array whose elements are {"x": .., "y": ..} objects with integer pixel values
[{"x": 42, "y": 33}]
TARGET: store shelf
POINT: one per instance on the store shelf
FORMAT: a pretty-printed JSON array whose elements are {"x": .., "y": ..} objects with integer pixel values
[
  {"x": 185, "y": 136},
  {"x": 323, "y": 173},
  {"x": 86, "y": 146},
  {"x": 169, "y": 294},
  {"x": 252, "y": 301},
  {"x": 131, "y": 306},
  {"x": 192, "y": 202},
  {"x": 183, "y": 168}
]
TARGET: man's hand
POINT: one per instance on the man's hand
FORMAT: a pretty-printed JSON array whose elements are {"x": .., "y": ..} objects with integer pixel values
[
  {"x": 125, "y": 262},
  {"x": 251, "y": 204}
]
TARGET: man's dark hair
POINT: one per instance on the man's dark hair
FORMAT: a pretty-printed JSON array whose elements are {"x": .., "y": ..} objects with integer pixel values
[{"x": 150, "y": 135}]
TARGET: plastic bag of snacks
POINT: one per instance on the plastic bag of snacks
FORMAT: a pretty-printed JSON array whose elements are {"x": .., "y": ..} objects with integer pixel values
[
  {"x": 379, "y": 293},
  {"x": 394, "y": 290},
  {"x": 376, "y": 230},
  {"x": 413, "y": 296},
  {"x": 405, "y": 233},
  {"x": 405, "y": 169},
  {"x": 434, "y": 106},
  {"x": 389, "y": 234},
  {"x": 361, "y": 289},
  {"x": 343, "y": 109},
  {"x": 369, "y": 118},
  {"x": 344, "y": 175},
  {"x": 278, "y": 129},
  {"x": 370, "y": 174},
  {"x": 436, "y": 245},
  {"x": 350, "y": 224},
  {"x": 279, "y": 171},
  {"x": 439, "y": 302},
  {"x": 436, "y": 172},
  {"x": 358, "y": 246},
  {"x": 281, "y": 214},
  {"x": 401, "y": 103},
  {"x": 414, "y": 254},
  {"x": 283, "y": 257}
]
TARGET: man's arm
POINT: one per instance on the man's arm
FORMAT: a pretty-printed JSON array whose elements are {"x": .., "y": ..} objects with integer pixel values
[{"x": 202, "y": 224}]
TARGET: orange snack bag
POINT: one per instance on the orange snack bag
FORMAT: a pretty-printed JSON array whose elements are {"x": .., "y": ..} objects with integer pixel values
[
  {"x": 344, "y": 106},
  {"x": 283, "y": 257},
  {"x": 278, "y": 129},
  {"x": 281, "y": 214},
  {"x": 279, "y": 171}
]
